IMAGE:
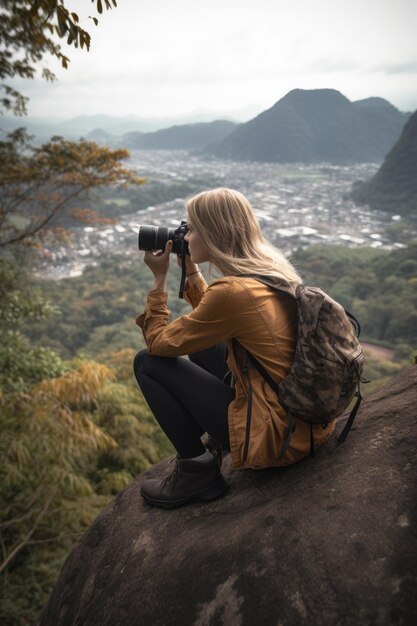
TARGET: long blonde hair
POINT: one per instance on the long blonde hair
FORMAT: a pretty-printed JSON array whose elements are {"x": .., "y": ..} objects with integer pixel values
[{"x": 225, "y": 221}]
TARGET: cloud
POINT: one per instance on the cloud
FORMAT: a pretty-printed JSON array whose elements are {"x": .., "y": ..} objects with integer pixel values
[
  {"x": 401, "y": 68},
  {"x": 166, "y": 58},
  {"x": 332, "y": 63}
]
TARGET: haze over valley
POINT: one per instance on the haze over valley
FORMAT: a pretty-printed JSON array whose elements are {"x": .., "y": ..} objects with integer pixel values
[
  {"x": 297, "y": 205},
  {"x": 297, "y": 162}
]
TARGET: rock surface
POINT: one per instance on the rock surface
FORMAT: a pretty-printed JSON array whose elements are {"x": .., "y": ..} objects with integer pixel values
[{"x": 329, "y": 541}]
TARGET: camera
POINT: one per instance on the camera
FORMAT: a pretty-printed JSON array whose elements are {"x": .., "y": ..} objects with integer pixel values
[{"x": 156, "y": 238}]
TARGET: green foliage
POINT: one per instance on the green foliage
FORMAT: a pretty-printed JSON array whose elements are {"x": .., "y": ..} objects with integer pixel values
[
  {"x": 380, "y": 371},
  {"x": 379, "y": 287},
  {"x": 49, "y": 443},
  {"x": 21, "y": 363},
  {"x": 71, "y": 435},
  {"x": 67, "y": 445},
  {"x": 126, "y": 417},
  {"x": 98, "y": 309}
]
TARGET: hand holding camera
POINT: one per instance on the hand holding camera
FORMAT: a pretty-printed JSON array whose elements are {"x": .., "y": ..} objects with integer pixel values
[
  {"x": 167, "y": 240},
  {"x": 158, "y": 262}
]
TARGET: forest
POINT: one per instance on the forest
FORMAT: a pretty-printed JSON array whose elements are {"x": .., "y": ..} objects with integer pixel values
[{"x": 95, "y": 311}]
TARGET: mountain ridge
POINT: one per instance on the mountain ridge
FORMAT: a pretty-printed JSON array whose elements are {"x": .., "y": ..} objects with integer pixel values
[
  {"x": 180, "y": 136},
  {"x": 306, "y": 126},
  {"x": 81, "y": 125},
  {"x": 319, "y": 125},
  {"x": 394, "y": 186}
]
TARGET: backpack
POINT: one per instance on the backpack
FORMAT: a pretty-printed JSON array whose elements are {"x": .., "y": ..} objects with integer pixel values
[{"x": 328, "y": 362}]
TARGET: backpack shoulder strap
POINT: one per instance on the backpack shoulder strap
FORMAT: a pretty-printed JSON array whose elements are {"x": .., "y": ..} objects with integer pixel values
[
  {"x": 354, "y": 323},
  {"x": 278, "y": 284},
  {"x": 291, "y": 419}
]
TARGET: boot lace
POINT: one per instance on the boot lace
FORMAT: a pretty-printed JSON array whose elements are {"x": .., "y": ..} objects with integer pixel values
[{"x": 172, "y": 478}]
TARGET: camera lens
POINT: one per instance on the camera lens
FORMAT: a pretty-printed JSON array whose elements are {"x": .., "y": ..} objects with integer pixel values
[{"x": 154, "y": 237}]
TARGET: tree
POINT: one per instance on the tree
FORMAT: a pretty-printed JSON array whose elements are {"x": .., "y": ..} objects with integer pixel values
[
  {"x": 21, "y": 363},
  {"x": 37, "y": 184},
  {"x": 28, "y": 32},
  {"x": 52, "y": 443},
  {"x": 49, "y": 443}
]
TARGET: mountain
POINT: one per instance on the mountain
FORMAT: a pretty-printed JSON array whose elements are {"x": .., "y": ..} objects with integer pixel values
[
  {"x": 183, "y": 137},
  {"x": 394, "y": 186},
  {"x": 84, "y": 124},
  {"x": 101, "y": 136},
  {"x": 44, "y": 127},
  {"x": 315, "y": 126},
  {"x": 329, "y": 540}
]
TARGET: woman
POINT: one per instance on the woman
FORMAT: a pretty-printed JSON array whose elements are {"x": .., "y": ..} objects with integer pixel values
[{"x": 190, "y": 397}]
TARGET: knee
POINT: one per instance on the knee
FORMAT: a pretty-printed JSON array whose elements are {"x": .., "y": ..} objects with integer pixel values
[
  {"x": 200, "y": 357},
  {"x": 139, "y": 362},
  {"x": 194, "y": 357}
]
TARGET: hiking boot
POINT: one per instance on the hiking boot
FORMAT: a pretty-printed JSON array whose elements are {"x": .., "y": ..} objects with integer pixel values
[{"x": 189, "y": 480}]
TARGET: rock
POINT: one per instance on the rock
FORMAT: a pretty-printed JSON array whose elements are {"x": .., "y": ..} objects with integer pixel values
[{"x": 329, "y": 541}]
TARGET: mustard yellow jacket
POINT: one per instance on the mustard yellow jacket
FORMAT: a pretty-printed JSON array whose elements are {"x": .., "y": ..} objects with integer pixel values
[{"x": 264, "y": 322}]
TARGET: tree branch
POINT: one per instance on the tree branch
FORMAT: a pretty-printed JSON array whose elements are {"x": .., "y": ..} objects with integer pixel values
[
  {"x": 30, "y": 232},
  {"x": 26, "y": 540}
]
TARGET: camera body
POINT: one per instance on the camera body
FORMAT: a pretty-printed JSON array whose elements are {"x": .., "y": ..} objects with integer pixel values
[{"x": 156, "y": 238}]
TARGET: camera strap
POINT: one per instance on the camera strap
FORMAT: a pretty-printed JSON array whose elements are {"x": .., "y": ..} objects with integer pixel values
[{"x": 183, "y": 270}]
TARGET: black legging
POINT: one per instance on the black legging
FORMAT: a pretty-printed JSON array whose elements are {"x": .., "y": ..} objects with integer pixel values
[{"x": 187, "y": 397}]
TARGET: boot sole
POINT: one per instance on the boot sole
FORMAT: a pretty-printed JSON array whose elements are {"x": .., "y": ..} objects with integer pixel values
[{"x": 206, "y": 495}]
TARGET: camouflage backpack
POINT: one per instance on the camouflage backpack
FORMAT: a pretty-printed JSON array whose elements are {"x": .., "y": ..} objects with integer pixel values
[{"x": 328, "y": 361}]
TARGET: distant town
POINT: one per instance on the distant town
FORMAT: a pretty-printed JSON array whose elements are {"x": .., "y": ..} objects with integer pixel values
[{"x": 297, "y": 206}]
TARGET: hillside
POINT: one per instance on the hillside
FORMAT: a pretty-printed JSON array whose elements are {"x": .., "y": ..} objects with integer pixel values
[
  {"x": 394, "y": 186},
  {"x": 315, "y": 126},
  {"x": 180, "y": 137},
  {"x": 96, "y": 314}
]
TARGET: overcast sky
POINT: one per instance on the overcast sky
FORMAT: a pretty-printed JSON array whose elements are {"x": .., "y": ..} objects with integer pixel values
[{"x": 237, "y": 57}]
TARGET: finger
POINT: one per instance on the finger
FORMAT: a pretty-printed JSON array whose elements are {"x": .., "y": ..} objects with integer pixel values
[{"x": 168, "y": 247}]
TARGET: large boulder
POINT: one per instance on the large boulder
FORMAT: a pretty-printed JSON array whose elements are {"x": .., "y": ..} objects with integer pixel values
[{"x": 329, "y": 541}]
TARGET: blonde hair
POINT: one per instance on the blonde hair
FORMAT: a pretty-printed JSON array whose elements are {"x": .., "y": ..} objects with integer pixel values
[{"x": 225, "y": 221}]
